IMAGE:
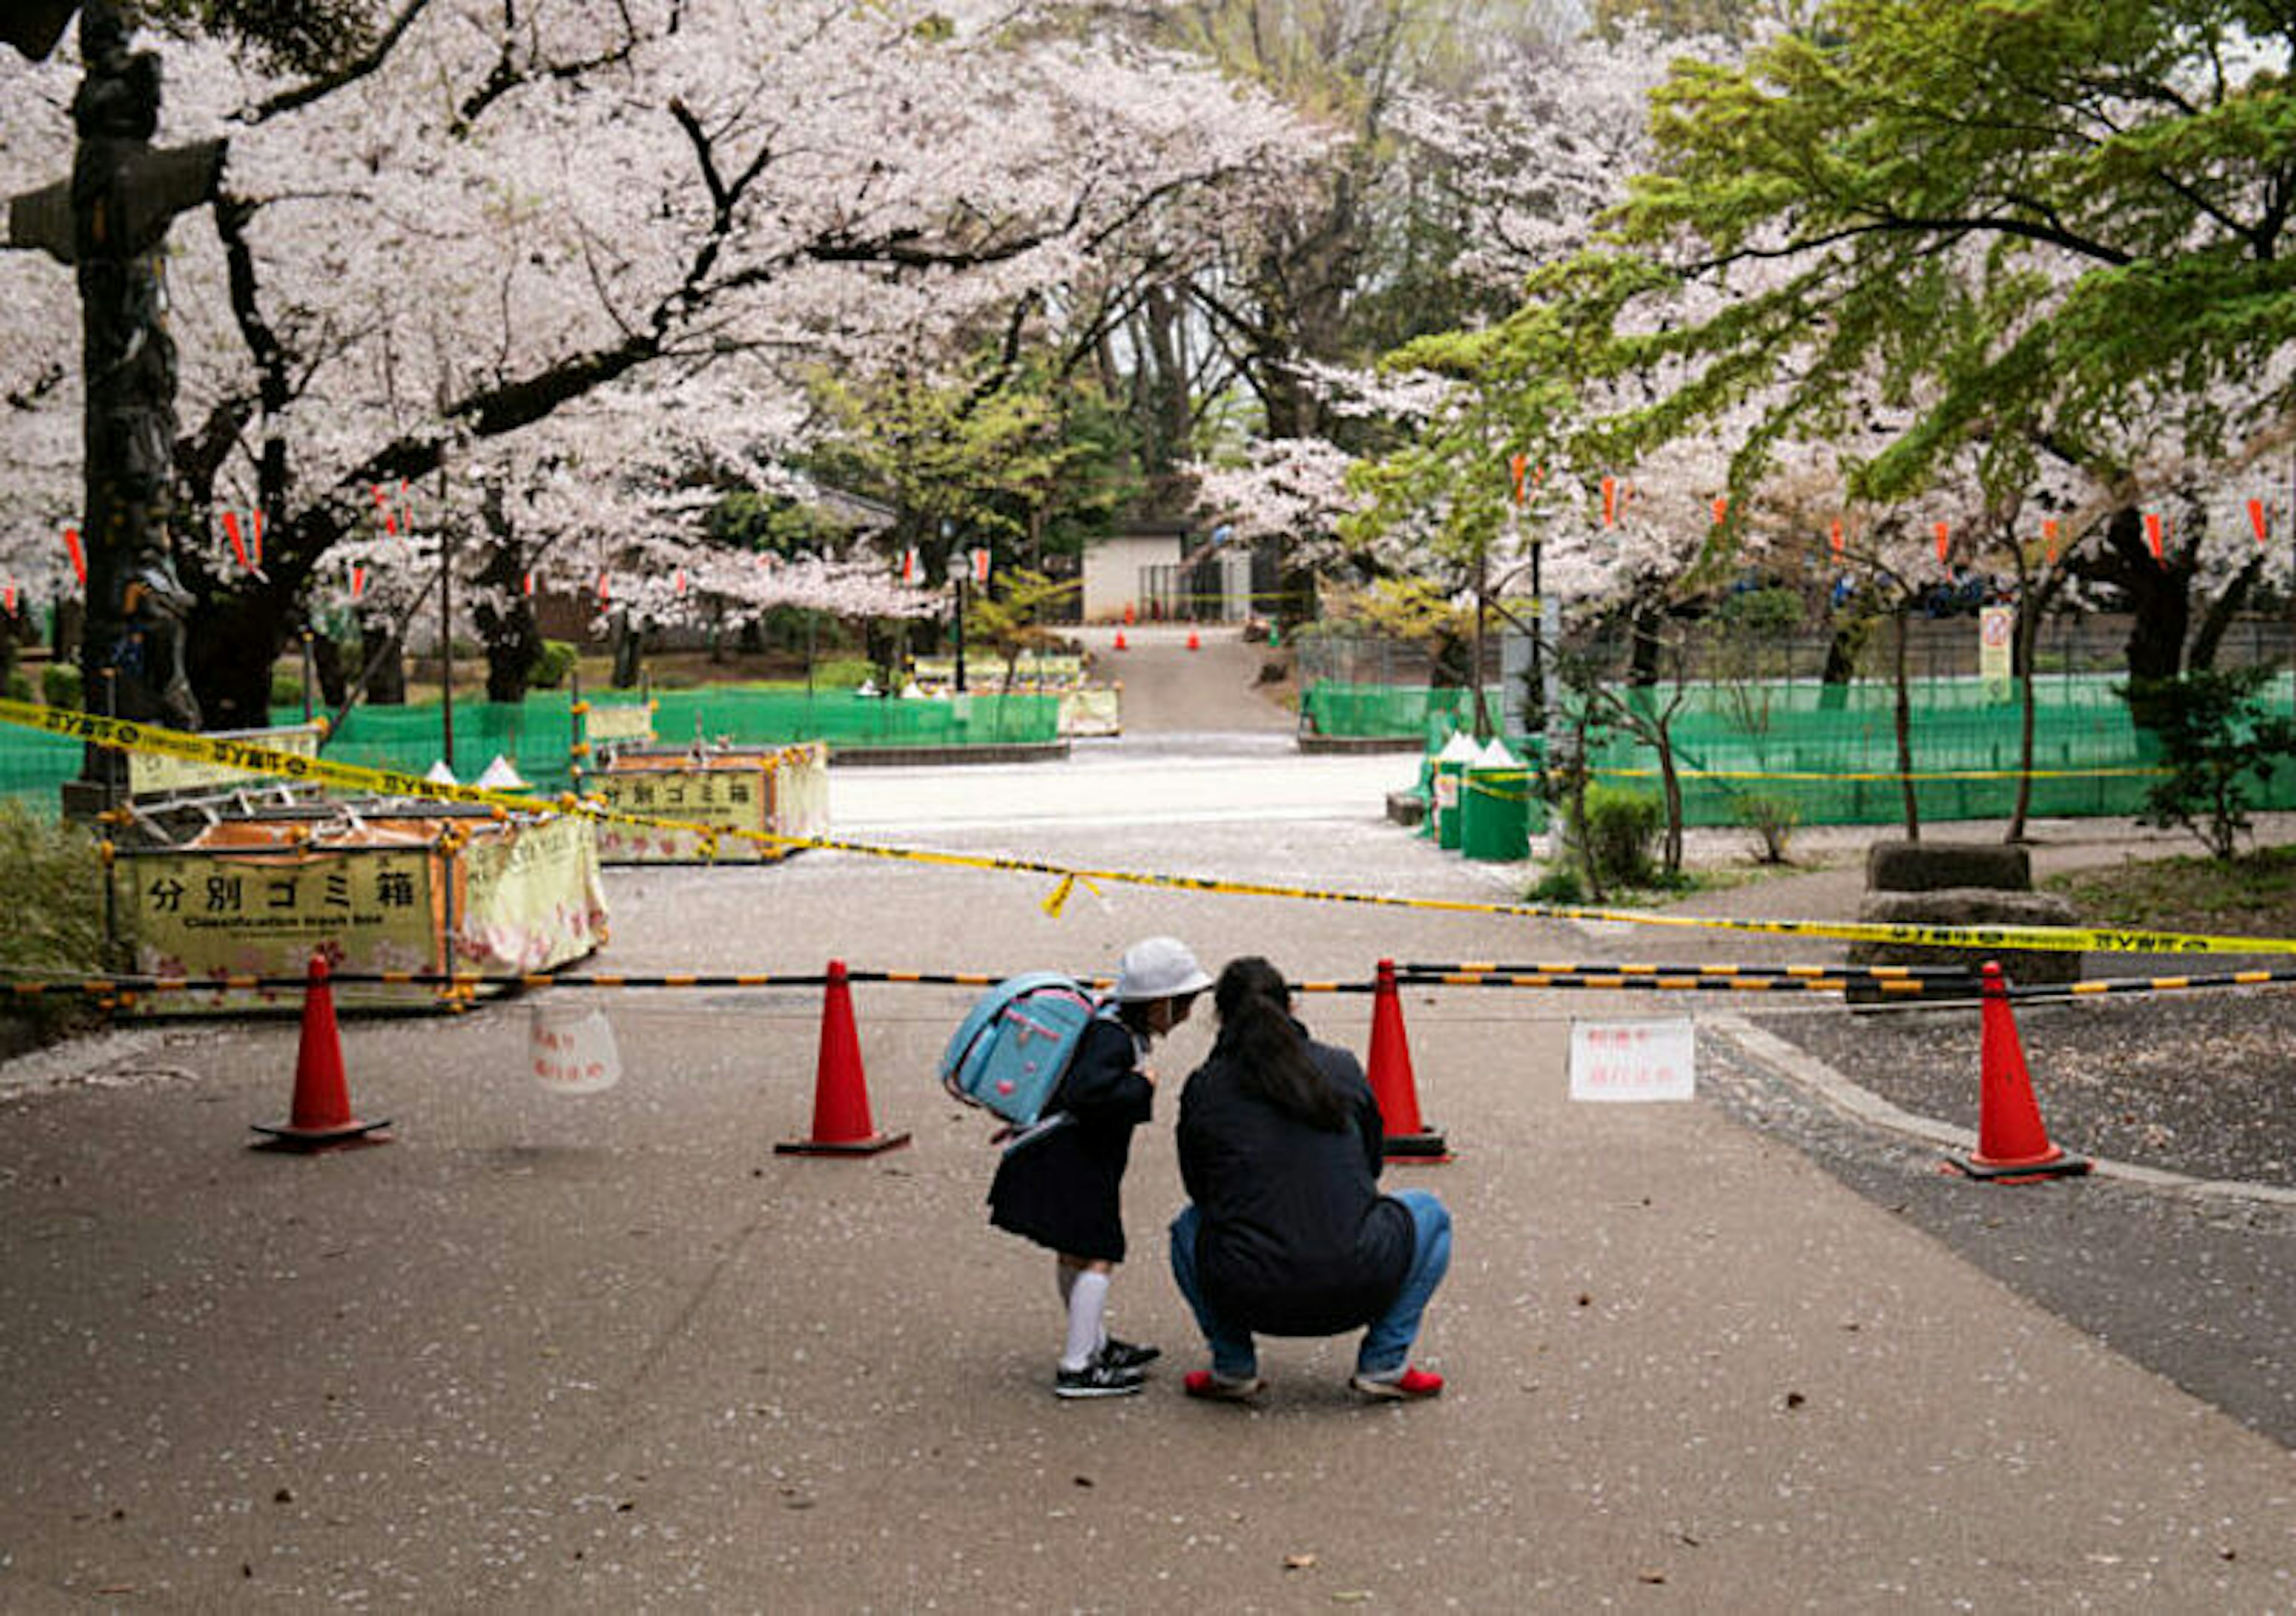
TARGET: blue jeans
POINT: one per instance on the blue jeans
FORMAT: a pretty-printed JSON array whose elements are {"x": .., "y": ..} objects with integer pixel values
[{"x": 1386, "y": 1345}]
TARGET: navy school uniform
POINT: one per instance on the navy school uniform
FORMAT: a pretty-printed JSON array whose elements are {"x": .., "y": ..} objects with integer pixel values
[{"x": 1062, "y": 1189}]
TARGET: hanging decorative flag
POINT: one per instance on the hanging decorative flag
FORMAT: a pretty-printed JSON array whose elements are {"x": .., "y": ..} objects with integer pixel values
[
  {"x": 8, "y": 597},
  {"x": 909, "y": 566},
  {"x": 980, "y": 568},
  {"x": 2152, "y": 533},
  {"x": 358, "y": 582},
  {"x": 382, "y": 497},
  {"x": 1610, "y": 502},
  {"x": 238, "y": 544},
  {"x": 681, "y": 580},
  {"x": 1944, "y": 538},
  {"x": 527, "y": 584},
  {"x": 78, "y": 556},
  {"x": 2049, "y": 539},
  {"x": 603, "y": 594},
  {"x": 1836, "y": 536},
  {"x": 1721, "y": 509},
  {"x": 255, "y": 535},
  {"x": 2256, "y": 518},
  {"x": 391, "y": 524},
  {"x": 1518, "y": 467}
]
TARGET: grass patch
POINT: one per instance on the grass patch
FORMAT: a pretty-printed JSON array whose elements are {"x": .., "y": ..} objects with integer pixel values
[
  {"x": 2253, "y": 895},
  {"x": 55, "y": 915}
]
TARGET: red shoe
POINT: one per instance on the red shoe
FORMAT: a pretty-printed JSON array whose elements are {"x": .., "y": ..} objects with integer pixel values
[
  {"x": 1218, "y": 1388},
  {"x": 1413, "y": 1386}
]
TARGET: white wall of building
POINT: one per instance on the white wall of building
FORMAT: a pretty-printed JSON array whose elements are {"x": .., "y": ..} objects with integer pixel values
[{"x": 1111, "y": 572}]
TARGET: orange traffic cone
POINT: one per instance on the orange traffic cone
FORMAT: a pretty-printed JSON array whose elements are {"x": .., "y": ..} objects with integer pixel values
[
  {"x": 1119, "y": 639},
  {"x": 1192, "y": 644},
  {"x": 2012, "y": 1146},
  {"x": 320, "y": 1117},
  {"x": 1408, "y": 1139},
  {"x": 840, "y": 1089}
]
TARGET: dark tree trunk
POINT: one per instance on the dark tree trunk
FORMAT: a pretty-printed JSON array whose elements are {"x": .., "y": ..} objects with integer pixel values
[
  {"x": 1842, "y": 653},
  {"x": 513, "y": 643},
  {"x": 1644, "y": 647},
  {"x": 382, "y": 660},
  {"x": 2159, "y": 603},
  {"x": 1904, "y": 715},
  {"x": 629, "y": 652},
  {"x": 327, "y": 657},
  {"x": 230, "y": 641},
  {"x": 63, "y": 630}
]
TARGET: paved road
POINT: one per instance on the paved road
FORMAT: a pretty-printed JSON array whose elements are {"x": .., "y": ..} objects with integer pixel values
[{"x": 612, "y": 1353}]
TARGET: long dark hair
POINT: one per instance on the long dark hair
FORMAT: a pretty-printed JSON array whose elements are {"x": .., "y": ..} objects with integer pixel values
[{"x": 1269, "y": 1050}]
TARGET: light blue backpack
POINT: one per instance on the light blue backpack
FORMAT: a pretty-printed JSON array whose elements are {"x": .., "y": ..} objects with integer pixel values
[{"x": 1014, "y": 1046}]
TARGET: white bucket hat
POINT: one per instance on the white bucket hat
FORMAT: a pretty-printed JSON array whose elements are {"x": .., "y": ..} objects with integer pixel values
[{"x": 1158, "y": 968}]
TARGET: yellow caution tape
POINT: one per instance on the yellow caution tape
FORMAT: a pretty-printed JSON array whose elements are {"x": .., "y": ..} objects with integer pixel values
[{"x": 130, "y": 736}]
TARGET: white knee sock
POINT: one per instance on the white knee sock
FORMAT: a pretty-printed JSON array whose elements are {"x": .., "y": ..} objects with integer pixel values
[{"x": 1087, "y": 1310}]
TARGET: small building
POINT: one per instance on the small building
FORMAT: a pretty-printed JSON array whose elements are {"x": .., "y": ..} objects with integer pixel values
[{"x": 1119, "y": 570}]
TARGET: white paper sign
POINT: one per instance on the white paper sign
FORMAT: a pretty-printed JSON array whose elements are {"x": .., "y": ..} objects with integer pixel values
[
  {"x": 1621, "y": 1061},
  {"x": 571, "y": 1049}
]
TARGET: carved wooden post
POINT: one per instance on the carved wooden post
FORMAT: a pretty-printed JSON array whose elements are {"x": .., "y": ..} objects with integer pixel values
[{"x": 109, "y": 221}]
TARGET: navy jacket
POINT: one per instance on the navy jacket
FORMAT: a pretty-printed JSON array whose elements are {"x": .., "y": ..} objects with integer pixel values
[{"x": 1296, "y": 1238}]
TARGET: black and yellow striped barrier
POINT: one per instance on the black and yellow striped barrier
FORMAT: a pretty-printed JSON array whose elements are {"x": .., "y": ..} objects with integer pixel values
[
  {"x": 321, "y": 771},
  {"x": 1906, "y": 981}
]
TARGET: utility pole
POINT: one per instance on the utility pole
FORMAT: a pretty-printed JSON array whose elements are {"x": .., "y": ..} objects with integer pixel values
[{"x": 445, "y": 623}]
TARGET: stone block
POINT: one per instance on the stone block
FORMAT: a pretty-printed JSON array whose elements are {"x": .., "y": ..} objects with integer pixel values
[
  {"x": 1931, "y": 866},
  {"x": 1977, "y": 907}
]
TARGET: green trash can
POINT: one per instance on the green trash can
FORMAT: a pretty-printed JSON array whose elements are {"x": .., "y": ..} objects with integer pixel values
[
  {"x": 1443, "y": 808},
  {"x": 1448, "y": 779},
  {"x": 1494, "y": 814}
]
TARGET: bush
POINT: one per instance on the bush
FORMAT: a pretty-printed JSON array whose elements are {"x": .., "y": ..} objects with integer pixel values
[
  {"x": 1621, "y": 827},
  {"x": 2218, "y": 745},
  {"x": 556, "y": 660},
  {"x": 1562, "y": 885},
  {"x": 286, "y": 690},
  {"x": 1772, "y": 819},
  {"x": 842, "y": 673},
  {"x": 20, "y": 686},
  {"x": 60, "y": 684},
  {"x": 55, "y": 915}
]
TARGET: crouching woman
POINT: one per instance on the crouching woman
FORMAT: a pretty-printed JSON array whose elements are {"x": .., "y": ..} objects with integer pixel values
[{"x": 1287, "y": 1234}]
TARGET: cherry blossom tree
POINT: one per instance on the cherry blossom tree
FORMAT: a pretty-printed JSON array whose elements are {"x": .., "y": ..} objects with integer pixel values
[{"x": 563, "y": 224}]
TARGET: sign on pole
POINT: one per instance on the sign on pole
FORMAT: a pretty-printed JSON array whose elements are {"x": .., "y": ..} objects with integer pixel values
[{"x": 1996, "y": 627}]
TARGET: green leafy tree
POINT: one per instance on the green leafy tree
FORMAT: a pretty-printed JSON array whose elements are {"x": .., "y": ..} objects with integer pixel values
[
  {"x": 2218, "y": 745},
  {"x": 1009, "y": 622},
  {"x": 2032, "y": 225}
]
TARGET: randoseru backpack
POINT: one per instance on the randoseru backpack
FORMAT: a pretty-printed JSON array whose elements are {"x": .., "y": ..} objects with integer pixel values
[{"x": 1014, "y": 1046}]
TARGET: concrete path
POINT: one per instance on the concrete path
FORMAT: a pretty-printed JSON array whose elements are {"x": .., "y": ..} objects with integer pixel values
[{"x": 612, "y": 1353}]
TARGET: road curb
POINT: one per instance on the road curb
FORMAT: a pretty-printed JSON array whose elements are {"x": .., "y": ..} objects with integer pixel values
[{"x": 1807, "y": 1072}]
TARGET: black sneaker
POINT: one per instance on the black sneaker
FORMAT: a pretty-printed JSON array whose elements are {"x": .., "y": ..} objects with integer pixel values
[
  {"x": 1098, "y": 1379},
  {"x": 1128, "y": 1355}
]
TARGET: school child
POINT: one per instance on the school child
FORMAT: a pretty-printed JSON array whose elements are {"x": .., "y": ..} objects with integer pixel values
[{"x": 1060, "y": 1188}]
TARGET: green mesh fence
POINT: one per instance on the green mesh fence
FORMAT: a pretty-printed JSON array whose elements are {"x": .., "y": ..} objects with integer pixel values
[
  {"x": 1831, "y": 752},
  {"x": 33, "y": 766},
  {"x": 1332, "y": 708},
  {"x": 537, "y": 735}
]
